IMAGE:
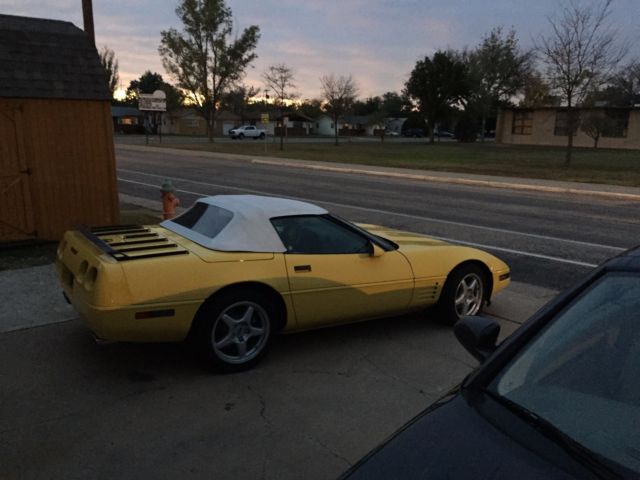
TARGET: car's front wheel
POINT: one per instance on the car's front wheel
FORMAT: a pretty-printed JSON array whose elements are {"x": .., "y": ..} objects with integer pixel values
[
  {"x": 464, "y": 293},
  {"x": 234, "y": 330}
]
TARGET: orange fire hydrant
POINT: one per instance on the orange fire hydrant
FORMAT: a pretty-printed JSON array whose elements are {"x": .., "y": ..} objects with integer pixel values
[{"x": 169, "y": 200}]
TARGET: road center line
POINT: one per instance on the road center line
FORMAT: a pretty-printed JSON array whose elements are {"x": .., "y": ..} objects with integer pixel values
[{"x": 452, "y": 240}]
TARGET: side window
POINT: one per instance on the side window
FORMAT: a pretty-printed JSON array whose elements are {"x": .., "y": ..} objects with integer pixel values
[{"x": 315, "y": 234}]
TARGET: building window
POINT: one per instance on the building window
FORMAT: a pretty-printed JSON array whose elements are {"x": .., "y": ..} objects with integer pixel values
[
  {"x": 522, "y": 122},
  {"x": 617, "y": 123},
  {"x": 563, "y": 121}
]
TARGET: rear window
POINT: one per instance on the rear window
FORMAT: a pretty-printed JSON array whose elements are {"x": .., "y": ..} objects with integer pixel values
[{"x": 207, "y": 220}]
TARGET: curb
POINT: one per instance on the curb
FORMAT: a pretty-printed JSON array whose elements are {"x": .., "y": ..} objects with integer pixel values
[
  {"x": 406, "y": 176},
  {"x": 455, "y": 180}
]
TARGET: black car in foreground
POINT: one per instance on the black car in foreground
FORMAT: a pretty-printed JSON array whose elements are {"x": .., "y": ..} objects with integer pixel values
[{"x": 558, "y": 399}]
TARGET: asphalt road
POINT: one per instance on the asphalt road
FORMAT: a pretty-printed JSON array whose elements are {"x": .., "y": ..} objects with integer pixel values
[{"x": 549, "y": 240}]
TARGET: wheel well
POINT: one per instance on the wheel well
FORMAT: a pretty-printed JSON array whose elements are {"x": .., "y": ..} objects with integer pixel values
[
  {"x": 487, "y": 274},
  {"x": 281, "y": 318}
]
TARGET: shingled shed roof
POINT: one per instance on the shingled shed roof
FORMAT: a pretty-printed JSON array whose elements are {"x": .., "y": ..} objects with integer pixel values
[{"x": 42, "y": 58}]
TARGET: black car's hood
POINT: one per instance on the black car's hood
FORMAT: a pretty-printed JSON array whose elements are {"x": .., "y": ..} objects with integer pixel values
[{"x": 454, "y": 441}]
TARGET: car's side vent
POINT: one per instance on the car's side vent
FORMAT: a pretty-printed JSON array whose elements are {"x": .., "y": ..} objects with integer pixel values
[
  {"x": 132, "y": 242},
  {"x": 427, "y": 294}
]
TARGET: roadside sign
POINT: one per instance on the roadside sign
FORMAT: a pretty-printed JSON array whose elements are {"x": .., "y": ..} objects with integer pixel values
[
  {"x": 264, "y": 118},
  {"x": 152, "y": 102}
]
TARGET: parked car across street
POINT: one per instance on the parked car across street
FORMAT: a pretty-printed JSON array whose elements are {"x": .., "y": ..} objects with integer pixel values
[{"x": 248, "y": 131}]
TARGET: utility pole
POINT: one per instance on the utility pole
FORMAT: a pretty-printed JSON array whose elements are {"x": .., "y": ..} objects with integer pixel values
[{"x": 87, "y": 14}]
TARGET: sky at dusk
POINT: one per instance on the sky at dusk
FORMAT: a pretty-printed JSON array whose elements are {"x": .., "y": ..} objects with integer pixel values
[{"x": 376, "y": 41}]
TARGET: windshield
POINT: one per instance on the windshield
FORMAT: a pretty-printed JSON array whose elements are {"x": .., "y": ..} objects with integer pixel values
[{"x": 581, "y": 373}]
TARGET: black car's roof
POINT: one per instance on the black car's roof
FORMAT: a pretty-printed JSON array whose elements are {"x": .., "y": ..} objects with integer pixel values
[{"x": 629, "y": 260}]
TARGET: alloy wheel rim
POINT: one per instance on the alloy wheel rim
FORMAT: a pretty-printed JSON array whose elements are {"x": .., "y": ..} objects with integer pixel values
[
  {"x": 469, "y": 295},
  {"x": 240, "y": 332}
]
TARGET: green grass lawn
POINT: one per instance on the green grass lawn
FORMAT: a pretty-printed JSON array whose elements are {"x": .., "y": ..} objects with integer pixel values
[{"x": 615, "y": 167}]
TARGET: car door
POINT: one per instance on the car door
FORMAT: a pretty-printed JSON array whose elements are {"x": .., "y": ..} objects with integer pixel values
[{"x": 333, "y": 276}]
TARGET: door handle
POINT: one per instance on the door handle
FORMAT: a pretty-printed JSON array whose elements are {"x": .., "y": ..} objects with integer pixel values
[{"x": 302, "y": 268}]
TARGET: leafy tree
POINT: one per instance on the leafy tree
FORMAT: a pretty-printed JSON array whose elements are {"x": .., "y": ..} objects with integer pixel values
[
  {"x": 394, "y": 103},
  {"x": 310, "y": 107},
  {"x": 437, "y": 84},
  {"x": 110, "y": 66},
  {"x": 367, "y": 106},
  {"x": 339, "y": 93},
  {"x": 537, "y": 92},
  {"x": 498, "y": 70},
  {"x": 148, "y": 82},
  {"x": 580, "y": 54},
  {"x": 237, "y": 99},
  {"x": 623, "y": 90},
  {"x": 279, "y": 79},
  {"x": 207, "y": 58}
]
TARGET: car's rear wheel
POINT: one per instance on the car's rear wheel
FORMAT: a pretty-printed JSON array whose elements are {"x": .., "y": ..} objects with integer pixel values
[
  {"x": 234, "y": 330},
  {"x": 464, "y": 293}
]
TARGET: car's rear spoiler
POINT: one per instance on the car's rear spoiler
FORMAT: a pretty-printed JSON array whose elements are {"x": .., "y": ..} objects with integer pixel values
[{"x": 130, "y": 242}]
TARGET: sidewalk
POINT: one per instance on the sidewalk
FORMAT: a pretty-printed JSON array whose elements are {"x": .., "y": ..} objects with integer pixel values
[{"x": 612, "y": 192}]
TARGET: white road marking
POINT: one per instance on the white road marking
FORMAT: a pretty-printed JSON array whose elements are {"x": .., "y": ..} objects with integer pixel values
[{"x": 386, "y": 212}]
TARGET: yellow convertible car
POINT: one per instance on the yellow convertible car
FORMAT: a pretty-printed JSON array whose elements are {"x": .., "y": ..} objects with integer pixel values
[{"x": 233, "y": 270}]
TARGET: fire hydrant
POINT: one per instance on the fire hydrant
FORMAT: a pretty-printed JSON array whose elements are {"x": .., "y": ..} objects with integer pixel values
[{"x": 169, "y": 200}]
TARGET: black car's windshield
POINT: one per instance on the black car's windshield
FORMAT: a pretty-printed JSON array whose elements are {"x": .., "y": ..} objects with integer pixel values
[{"x": 581, "y": 373}]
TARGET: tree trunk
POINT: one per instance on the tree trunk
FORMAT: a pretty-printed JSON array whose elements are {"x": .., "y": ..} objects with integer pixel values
[
  {"x": 281, "y": 135},
  {"x": 335, "y": 128},
  {"x": 281, "y": 130},
  {"x": 211, "y": 124},
  {"x": 483, "y": 124},
  {"x": 572, "y": 125},
  {"x": 567, "y": 158}
]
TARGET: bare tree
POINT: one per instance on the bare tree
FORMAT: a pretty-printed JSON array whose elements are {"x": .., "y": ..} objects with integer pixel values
[
  {"x": 339, "y": 94},
  {"x": 238, "y": 98},
  {"x": 279, "y": 78},
  {"x": 110, "y": 66},
  {"x": 580, "y": 54}
]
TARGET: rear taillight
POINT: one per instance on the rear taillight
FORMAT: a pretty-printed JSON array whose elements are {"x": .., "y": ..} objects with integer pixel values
[{"x": 90, "y": 278}]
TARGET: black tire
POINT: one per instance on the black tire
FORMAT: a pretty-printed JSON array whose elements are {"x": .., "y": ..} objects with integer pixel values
[
  {"x": 241, "y": 136},
  {"x": 469, "y": 281},
  {"x": 222, "y": 327}
]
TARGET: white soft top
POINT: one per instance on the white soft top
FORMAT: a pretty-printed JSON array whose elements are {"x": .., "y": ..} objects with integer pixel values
[{"x": 250, "y": 228}]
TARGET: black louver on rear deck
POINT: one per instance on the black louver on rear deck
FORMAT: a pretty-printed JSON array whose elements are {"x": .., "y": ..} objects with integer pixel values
[{"x": 131, "y": 242}]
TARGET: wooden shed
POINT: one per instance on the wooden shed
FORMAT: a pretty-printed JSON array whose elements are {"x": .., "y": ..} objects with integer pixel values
[{"x": 57, "y": 161}]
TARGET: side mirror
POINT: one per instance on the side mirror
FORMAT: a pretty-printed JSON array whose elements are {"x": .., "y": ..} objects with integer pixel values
[
  {"x": 478, "y": 335},
  {"x": 376, "y": 251}
]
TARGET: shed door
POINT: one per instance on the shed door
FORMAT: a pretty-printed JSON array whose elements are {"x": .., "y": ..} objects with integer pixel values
[{"x": 16, "y": 212}]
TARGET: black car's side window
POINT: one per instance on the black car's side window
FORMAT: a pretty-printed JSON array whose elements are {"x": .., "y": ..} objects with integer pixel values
[{"x": 317, "y": 234}]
